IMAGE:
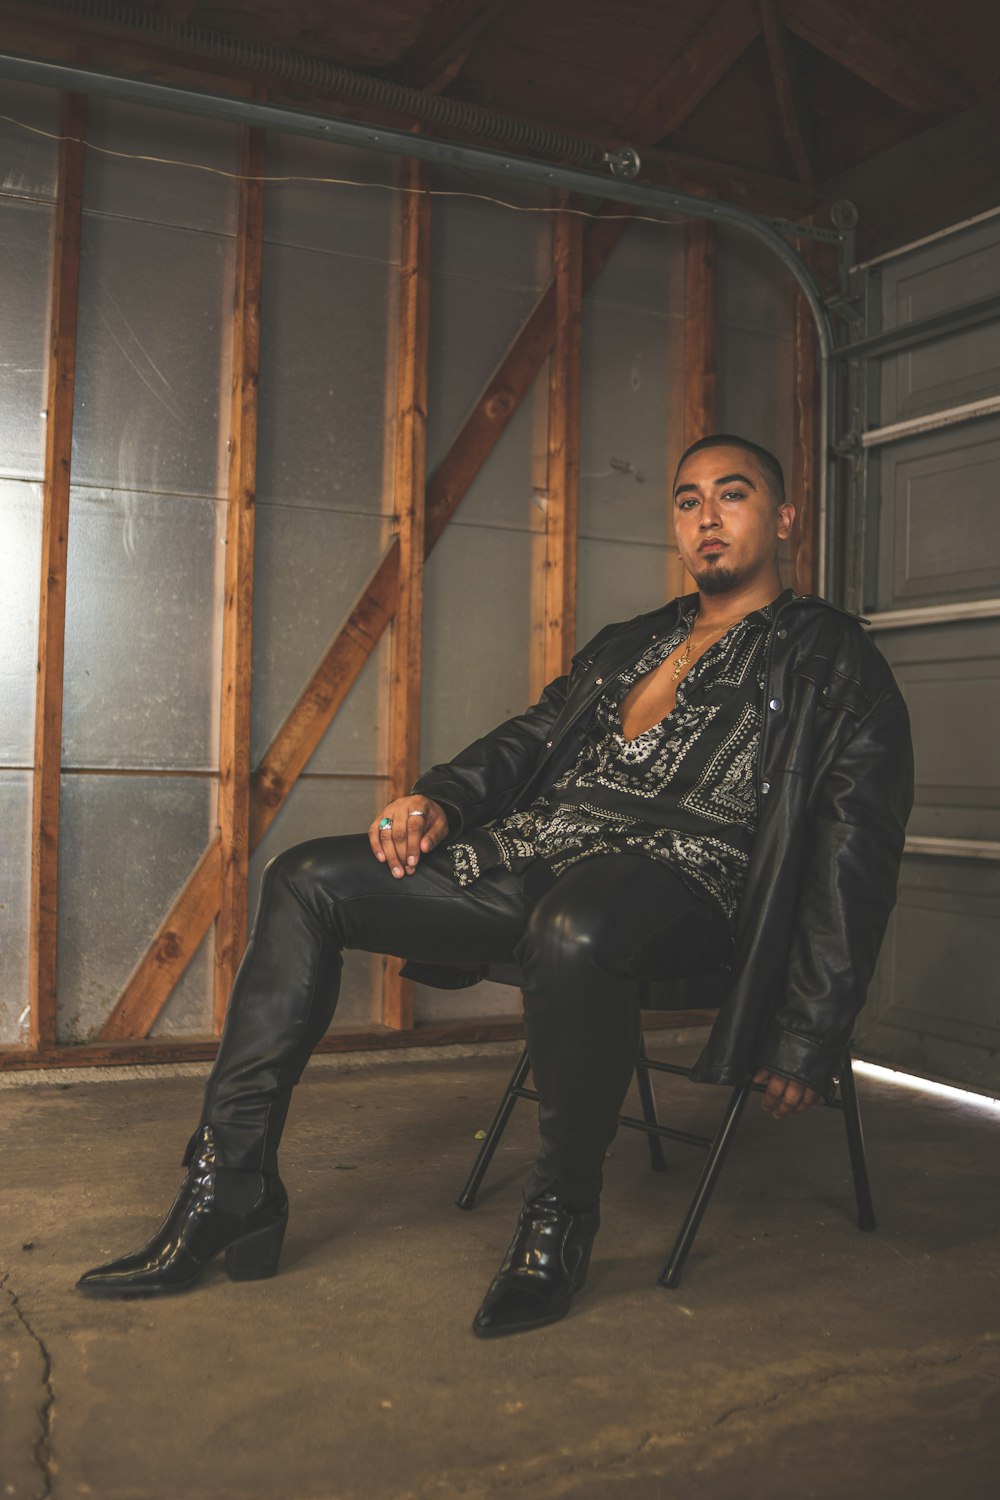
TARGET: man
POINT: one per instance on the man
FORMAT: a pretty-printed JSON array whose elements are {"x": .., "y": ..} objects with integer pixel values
[{"x": 714, "y": 798}]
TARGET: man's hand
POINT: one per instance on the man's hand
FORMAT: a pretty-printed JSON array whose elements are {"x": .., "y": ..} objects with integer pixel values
[
  {"x": 416, "y": 825},
  {"x": 784, "y": 1096}
]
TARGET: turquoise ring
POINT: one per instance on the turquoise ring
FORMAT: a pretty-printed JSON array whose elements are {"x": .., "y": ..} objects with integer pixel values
[{"x": 385, "y": 823}]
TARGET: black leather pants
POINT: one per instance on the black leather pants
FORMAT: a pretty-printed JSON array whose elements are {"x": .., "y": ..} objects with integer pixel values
[{"x": 583, "y": 947}]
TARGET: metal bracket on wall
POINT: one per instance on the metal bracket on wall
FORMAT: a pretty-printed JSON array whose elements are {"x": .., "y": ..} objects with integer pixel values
[{"x": 850, "y": 445}]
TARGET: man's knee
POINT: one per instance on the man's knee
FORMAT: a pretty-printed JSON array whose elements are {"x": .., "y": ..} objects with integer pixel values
[
  {"x": 570, "y": 931},
  {"x": 299, "y": 871},
  {"x": 290, "y": 867}
]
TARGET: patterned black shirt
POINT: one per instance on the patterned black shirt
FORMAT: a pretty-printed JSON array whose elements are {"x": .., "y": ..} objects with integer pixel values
[{"x": 681, "y": 792}]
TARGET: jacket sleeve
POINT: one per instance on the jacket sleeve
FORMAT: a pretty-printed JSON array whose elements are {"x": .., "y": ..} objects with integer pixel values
[
  {"x": 848, "y": 889},
  {"x": 483, "y": 780}
]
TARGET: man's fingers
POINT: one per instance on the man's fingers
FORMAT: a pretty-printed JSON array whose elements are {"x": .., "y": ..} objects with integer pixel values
[
  {"x": 785, "y": 1096},
  {"x": 413, "y": 826},
  {"x": 435, "y": 828},
  {"x": 416, "y": 819},
  {"x": 781, "y": 1097},
  {"x": 392, "y": 856}
]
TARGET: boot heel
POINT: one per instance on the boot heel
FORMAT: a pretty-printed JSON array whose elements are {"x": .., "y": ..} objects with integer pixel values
[
  {"x": 256, "y": 1255},
  {"x": 580, "y": 1276}
]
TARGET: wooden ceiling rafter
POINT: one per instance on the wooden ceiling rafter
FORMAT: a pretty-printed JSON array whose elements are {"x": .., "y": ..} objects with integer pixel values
[
  {"x": 719, "y": 43},
  {"x": 881, "y": 55},
  {"x": 450, "y": 31},
  {"x": 77, "y": 42},
  {"x": 795, "y": 119}
]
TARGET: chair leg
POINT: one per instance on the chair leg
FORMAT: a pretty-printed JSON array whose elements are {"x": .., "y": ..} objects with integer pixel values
[
  {"x": 856, "y": 1146},
  {"x": 671, "y": 1274},
  {"x": 467, "y": 1197},
  {"x": 648, "y": 1101}
]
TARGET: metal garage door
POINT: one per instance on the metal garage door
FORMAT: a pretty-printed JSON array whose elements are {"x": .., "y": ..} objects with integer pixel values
[{"x": 923, "y": 562}]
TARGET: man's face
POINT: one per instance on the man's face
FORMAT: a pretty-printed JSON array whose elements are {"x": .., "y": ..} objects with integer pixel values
[{"x": 726, "y": 519}]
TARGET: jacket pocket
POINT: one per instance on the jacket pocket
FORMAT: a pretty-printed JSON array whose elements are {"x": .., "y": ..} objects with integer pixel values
[{"x": 835, "y": 690}]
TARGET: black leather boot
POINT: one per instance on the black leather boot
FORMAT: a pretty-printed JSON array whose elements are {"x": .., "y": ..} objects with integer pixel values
[
  {"x": 546, "y": 1263},
  {"x": 248, "y": 1224}
]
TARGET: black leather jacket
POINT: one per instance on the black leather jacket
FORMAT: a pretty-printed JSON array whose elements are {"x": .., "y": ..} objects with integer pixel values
[{"x": 834, "y": 785}]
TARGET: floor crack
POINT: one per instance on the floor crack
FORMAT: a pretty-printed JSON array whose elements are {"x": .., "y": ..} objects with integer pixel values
[
  {"x": 649, "y": 1442},
  {"x": 43, "y": 1443},
  {"x": 795, "y": 1388}
]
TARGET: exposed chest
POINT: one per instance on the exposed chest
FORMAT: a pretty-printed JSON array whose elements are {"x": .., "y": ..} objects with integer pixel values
[{"x": 651, "y": 697}]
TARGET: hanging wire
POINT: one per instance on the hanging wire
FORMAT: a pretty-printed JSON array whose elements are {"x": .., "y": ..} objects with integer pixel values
[{"x": 389, "y": 187}]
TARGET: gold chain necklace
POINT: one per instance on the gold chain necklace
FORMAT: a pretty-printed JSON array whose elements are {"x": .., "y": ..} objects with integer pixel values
[{"x": 685, "y": 657}]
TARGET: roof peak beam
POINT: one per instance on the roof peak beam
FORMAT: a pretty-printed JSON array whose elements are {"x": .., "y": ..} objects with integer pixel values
[
  {"x": 795, "y": 120},
  {"x": 876, "y": 52},
  {"x": 703, "y": 63}
]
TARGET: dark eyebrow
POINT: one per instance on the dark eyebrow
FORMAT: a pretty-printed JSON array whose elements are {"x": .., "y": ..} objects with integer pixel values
[{"x": 726, "y": 479}]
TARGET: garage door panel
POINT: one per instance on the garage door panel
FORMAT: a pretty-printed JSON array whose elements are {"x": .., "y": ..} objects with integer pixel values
[
  {"x": 936, "y": 992},
  {"x": 940, "y": 278},
  {"x": 939, "y": 528},
  {"x": 950, "y": 677}
]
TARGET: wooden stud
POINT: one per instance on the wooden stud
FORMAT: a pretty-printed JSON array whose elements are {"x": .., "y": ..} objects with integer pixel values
[
  {"x": 237, "y": 620},
  {"x": 410, "y": 480},
  {"x": 806, "y": 458},
  {"x": 563, "y": 476},
  {"x": 42, "y": 936},
  {"x": 410, "y": 495},
  {"x": 188, "y": 920},
  {"x": 718, "y": 43},
  {"x": 699, "y": 353},
  {"x": 699, "y": 331},
  {"x": 795, "y": 121}
]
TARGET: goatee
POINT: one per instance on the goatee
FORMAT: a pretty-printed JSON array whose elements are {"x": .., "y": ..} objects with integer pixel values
[{"x": 716, "y": 578}]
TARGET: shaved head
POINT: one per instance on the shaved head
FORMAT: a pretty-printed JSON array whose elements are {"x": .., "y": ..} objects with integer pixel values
[{"x": 768, "y": 464}]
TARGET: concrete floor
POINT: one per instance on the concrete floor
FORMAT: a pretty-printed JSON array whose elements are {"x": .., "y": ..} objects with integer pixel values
[{"x": 799, "y": 1357}]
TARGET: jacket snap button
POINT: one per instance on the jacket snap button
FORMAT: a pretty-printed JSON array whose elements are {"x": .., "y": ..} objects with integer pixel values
[
  {"x": 782, "y": 633},
  {"x": 548, "y": 744},
  {"x": 775, "y": 704},
  {"x": 599, "y": 681},
  {"x": 765, "y": 787}
]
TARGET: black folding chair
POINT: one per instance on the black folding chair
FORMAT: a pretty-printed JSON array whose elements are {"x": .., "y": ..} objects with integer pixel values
[{"x": 717, "y": 1146}]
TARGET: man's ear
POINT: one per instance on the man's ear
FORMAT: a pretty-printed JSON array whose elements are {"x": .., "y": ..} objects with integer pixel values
[{"x": 786, "y": 516}]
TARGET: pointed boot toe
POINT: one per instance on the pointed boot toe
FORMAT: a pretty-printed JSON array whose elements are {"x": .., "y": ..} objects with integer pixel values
[
  {"x": 544, "y": 1268},
  {"x": 196, "y": 1230}
]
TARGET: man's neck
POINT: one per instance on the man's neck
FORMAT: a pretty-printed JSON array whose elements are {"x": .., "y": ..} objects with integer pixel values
[{"x": 734, "y": 604}]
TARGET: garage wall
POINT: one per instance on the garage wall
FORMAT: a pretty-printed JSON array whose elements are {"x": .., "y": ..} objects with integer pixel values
[{"x": 144, "y": 604}]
